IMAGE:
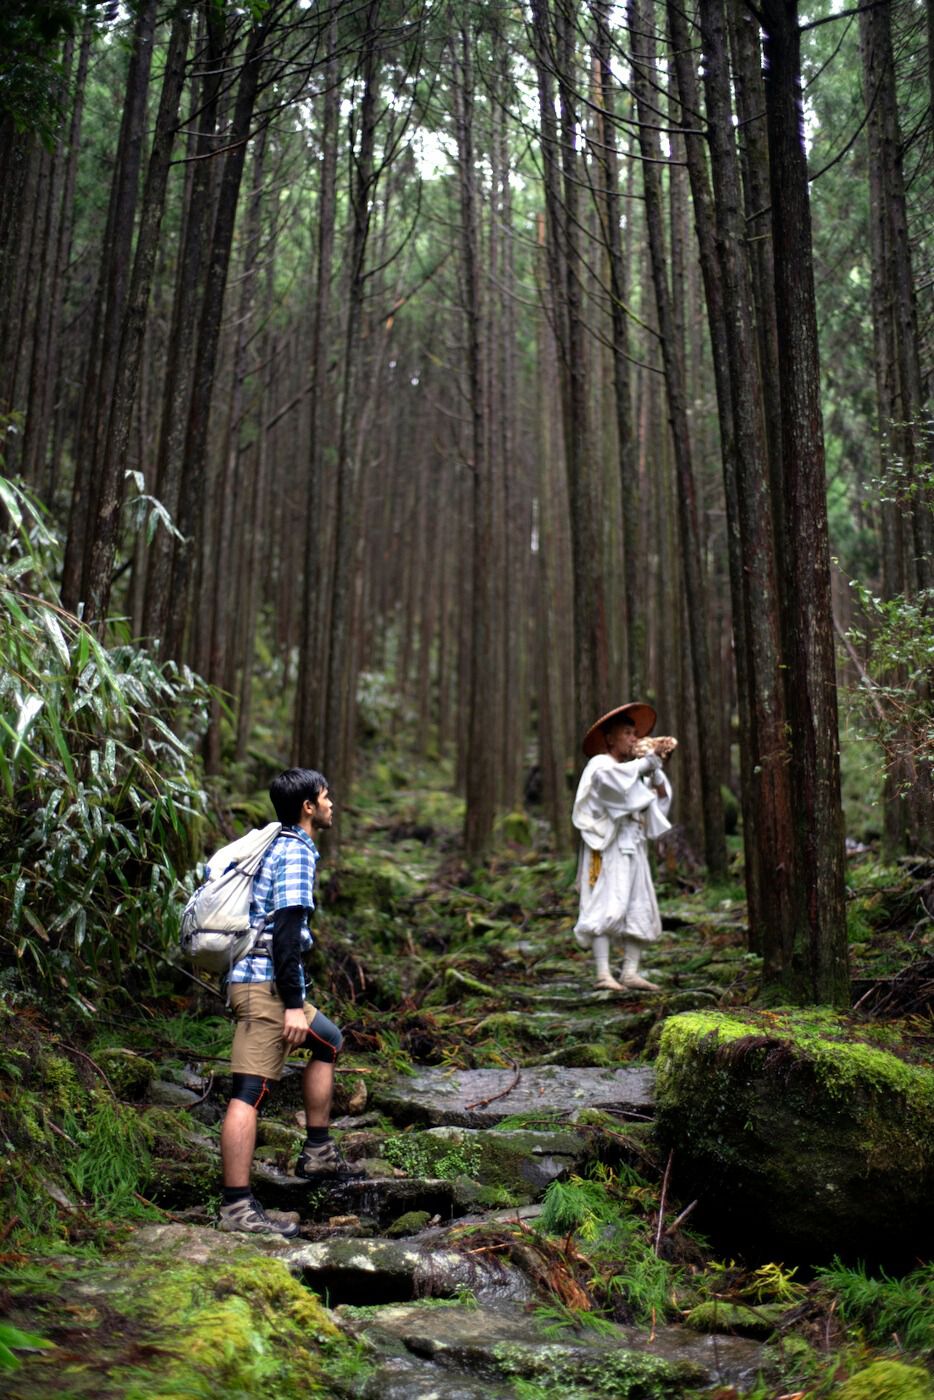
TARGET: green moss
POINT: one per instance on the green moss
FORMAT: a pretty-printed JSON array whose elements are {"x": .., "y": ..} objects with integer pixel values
[
  {"x": 62, "y": 1090},
  {"x": 888, "y": 1380},
  {"x": 237, "y": 1324},
  {"x": 818, "y": 1037},
  {"x": 433, "y": 1155},
  {"x": 516, "y": 827},
  {"x": 810, "y": 1138},
  {"x": 408, "y": 1224},
  {"x": 457, "y": 984},
  {"x": 714, "y": 1315},
  {"x": 625, "y": 1375},
  {"x": 128, "y": 1074}
]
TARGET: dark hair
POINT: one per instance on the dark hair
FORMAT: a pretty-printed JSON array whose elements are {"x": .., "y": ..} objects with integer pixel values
[
  {"x": 626, "y": 721},
  {"x": 293, "y": 787}
]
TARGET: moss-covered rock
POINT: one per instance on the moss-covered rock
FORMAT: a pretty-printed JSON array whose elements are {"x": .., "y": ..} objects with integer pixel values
[
  {"x": 521, "y": 1161},
  {"x": 128, "y": 1074},
  {"x": 408, "y": 1224},
  {"x": 888, "y": 1380},
  {"x": 798, "y": 1138},
  {"x": 746, "y": 1319},
  {"x": 178, "y": 1312}
]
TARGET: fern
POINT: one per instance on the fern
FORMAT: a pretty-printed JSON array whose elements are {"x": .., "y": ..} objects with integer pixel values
[
  {"x": 886, "y": 1307},
  {"x": 579, "y": 1205},
  {"x": 114, "y": 1161},
  {"x": 645, "y": 1283}
]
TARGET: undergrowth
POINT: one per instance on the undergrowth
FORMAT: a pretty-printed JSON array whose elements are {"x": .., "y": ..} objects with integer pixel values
[
  {"x": 99, "y": 788},
  {"x": 885, "y": 1308}
]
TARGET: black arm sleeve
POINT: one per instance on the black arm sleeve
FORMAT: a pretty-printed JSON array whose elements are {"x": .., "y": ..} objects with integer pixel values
[{"x": 286, "y": 954}]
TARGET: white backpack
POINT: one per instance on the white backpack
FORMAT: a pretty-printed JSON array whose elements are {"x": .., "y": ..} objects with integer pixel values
[{"x": 215, "y": 928}]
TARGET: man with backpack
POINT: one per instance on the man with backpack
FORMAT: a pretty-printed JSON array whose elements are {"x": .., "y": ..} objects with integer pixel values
[{"x": 267, "y": 994}]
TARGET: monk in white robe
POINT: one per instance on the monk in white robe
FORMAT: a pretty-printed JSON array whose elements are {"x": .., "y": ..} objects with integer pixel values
[{"x": 622, "y": 803}]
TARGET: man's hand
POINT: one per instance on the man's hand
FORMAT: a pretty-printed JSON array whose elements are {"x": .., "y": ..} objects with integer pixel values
[
  {"x": 294, "y": 1026},
  {"x": 650, "y": 764}
]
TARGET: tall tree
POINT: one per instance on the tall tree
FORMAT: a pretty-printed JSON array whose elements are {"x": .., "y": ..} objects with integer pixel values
[
  {"x": 814, "y": 965},
  {"x": 555, "y": 46},
  {"x": 643, "y": 65},
  {"x": 340, "y": 699},
  {"x": 196, "y": 437},
  {"x": 108, "y": 495},
  {"x": 102, "y": 362}
]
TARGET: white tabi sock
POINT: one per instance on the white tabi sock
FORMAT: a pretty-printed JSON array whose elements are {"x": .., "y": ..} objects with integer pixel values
[
  {"x": 601, "y": 951},
  {"x": 632, "y": 952}
]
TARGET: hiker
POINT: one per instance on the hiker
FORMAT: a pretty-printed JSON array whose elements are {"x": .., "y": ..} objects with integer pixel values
[
  {"x": 267, "y": 994},
  {"x": 622, "y": 802}
]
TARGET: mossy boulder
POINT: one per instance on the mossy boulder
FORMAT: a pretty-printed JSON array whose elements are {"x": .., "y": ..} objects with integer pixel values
[
  {"x": 128, "y": 1074},
  {"x": 179, "y": 1311},
  {"x": 799, "y": 1138},
  {"x": 888, "y": 1380}
]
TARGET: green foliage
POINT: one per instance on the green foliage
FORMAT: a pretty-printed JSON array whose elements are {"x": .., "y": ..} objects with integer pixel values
[
  {"x": 603, "y": 1216},
  {"x": 31, "y": 73},
  {"x": 894, "y": 705},
  {"x": 419, "y": 1155},
  {"x": 99, "y": 794},
  {"x": 114, "y": 1161},
  {"x": 10, "y": 1338},
  {"x": 381, "y": 707},
  {"x": 577, "y": 1205},
  {"x": 884, "y": 1306}
]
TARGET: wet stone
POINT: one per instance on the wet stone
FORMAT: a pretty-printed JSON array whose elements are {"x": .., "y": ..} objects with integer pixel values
[
  {"x": 477, "y": 1098},
  {"x": 505, "y": 1343},
  {"x": 368, "y": 1272},
  {"x": 378, "y": 1201}
]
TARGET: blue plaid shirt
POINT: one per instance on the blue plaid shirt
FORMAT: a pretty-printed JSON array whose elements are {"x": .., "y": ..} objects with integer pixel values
[{"x": 285, "y": 880}]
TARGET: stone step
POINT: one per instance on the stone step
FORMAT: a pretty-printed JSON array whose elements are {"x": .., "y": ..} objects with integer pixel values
[
  {"x": 480, "y": 1098},
  {"x": 506, "y": 1345}
]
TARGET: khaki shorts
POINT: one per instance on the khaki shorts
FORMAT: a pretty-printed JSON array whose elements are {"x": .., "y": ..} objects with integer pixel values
[{"x": 258, "y": 1047}]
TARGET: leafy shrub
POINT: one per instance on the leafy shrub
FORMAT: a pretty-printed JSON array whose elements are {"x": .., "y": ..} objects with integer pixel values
[{"x": 99, "y": 792}]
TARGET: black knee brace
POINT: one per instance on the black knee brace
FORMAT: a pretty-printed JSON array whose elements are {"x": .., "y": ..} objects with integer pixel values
[
  {"x": 324, "y": 1040},
  {"x": 249, "y": 1088}
]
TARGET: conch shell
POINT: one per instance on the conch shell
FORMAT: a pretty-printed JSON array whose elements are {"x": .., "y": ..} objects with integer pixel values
[{"x": 661, "y": 744}]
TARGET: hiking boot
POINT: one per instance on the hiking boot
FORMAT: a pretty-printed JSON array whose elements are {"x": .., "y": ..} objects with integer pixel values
[
  {"x": 324, "y": 1161},
  {"x": 247, "y": 1217}
]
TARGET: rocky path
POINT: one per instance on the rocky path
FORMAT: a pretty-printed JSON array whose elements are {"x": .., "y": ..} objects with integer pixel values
[
  {"x": 422, "y": 1260},
  {"x": 436, "y": 1266}
]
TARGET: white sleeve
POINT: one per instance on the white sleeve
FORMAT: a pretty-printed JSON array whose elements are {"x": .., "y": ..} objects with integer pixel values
[{"x": 620, "y": 789}]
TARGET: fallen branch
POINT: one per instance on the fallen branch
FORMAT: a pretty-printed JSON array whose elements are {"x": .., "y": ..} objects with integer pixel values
[
  {"x": 177, "y": 1219},
  {"x": 482, "y": 1103},
  {"x": 81, "y": 1055},
  {"x": 195, "y": 1102},
  {"x": 680, "y": 1220},
  {"x": 62, "y": 1134},
  {"x": 661, "y": 1202}
]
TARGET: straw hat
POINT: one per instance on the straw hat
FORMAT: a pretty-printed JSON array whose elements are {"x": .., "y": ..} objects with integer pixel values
[{"x": 642, "y": 716}]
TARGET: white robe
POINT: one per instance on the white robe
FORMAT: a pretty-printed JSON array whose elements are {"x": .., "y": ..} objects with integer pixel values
[{"x": 617, "y": 812}]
